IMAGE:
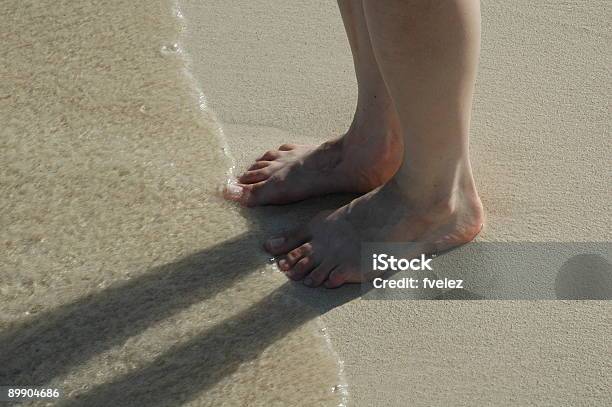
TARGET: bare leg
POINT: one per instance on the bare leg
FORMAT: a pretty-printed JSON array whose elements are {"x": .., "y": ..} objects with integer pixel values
[
  {"x": 364, "y": 158},
  {"x": 427, "y": 51}
]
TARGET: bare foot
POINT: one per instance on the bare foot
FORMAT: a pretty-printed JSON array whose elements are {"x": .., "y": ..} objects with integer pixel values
[
  {"x": 359, "y": 161},
  {"x": 327, "y": 250}
]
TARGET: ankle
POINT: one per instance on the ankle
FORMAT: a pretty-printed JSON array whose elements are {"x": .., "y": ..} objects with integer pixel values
[
  {"x": 375, "y": 117},
  {"x": 439, "y": 192}
]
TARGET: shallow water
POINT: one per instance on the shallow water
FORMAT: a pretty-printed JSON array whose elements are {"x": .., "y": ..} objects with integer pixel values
[{"x": 125, "y": 279}]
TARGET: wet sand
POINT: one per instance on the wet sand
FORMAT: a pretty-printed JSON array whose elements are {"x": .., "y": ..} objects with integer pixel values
[
  {"x": 125, "y": 279},
  {"x": 280, "y": 72}
]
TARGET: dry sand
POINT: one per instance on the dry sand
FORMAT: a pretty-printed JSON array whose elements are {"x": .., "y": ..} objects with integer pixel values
[{"x": 279, "y": 71}]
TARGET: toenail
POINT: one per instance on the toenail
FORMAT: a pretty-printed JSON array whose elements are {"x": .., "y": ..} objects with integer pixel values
[
  {"x": 233, "y": 190},
  {"x": 308, "y": 281},
  {"x": 275, "y": 242}
]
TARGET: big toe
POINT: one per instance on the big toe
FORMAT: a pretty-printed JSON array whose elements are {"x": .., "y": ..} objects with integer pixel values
[
  {"x": 286, "y": 242},
  {"x": 340, "y": 276},
  {"x": 260, "y": 193},
  {"x": 233, "y": 192},
  {"x": 249, "y": 194}
]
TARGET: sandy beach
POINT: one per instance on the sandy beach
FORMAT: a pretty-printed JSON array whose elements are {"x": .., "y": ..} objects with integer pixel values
[{"x": 126, "y": 279}]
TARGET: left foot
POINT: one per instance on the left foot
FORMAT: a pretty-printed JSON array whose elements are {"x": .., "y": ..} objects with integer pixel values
[
  {"x": 327, "y": 250},
  {"x": 364, "y": 158}
]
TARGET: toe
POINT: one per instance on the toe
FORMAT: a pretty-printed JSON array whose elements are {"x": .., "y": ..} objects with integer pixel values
[
  {"x": 252, "y": 177},
  {"x": 338, "y": 277},
  {"x": 287, "y": 147},
  {"x": 259, "y": 165},
  {"x": 270, "y": 155},
  {"x": 302, "y": 268},
  {"x": 270, "y": 191},
  {"x": 319, "y": 274},
  {"x": 256, "y": 194},
  {"x": 233, "y": 192},
  {"x": 287, "y": 241},
  {"x": 241, "y": 193},
  {"x": 291, "y": 258}
]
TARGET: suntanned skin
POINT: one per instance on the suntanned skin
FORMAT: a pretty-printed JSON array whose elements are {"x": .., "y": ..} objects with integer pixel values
[{"x": 416, "y": 63}]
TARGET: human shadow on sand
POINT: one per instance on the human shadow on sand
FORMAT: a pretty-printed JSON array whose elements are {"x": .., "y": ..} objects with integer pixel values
[
  {"x": 52, "y": 343},
  {"x": 190, "y": 368}
]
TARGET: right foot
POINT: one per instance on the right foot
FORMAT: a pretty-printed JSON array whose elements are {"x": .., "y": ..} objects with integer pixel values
[
  {"x": 328, "y": 249},
  {"x": 357, "y": 162}
]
